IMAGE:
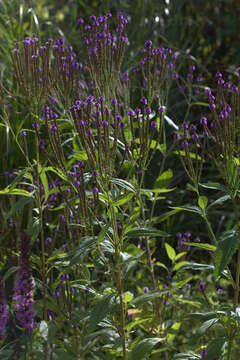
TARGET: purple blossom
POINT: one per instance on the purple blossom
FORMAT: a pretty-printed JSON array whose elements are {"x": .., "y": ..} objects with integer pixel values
[
  {"x": 23, "y": 288},
  {"x": 4, "y": 309},
  {"x": 202, "y": 286}
]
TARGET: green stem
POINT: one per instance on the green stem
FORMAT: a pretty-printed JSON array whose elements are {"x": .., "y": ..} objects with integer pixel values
[
  {"x": 44, "y": 273},
  {"x": 117, "y": 245}
]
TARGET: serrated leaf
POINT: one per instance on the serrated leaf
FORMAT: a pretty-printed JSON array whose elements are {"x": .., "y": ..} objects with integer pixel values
[
  {"x": 170, "y": 251},
  {"x": 228, "y": 244},
  {"x": 144, "y": 347},
  {"x": 202, "y": 202},
  {"x": 101, "y": 309},
  {"x": 141, "y": 232}
]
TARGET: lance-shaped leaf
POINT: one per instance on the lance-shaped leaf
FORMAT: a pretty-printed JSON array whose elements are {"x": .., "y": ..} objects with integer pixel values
[
  {"x": 228, "y": 244},
  {"x": 144, "y": 347},
  {"x": 141, "y": 231}
]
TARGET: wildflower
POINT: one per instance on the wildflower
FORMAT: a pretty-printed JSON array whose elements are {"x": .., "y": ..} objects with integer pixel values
[
  {"x": 23, "y": 289},
  {"x": 4, "y": 308},
  {"x": 202, "y": 286}
]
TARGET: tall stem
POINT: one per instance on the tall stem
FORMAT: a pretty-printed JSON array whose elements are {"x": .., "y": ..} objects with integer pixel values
[
  {"x": 44, "y": 277},
  {"x": 117, "y": 246}
]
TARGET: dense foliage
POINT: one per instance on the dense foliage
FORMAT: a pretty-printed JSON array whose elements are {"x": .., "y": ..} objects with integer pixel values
[{"x": 119, "y": 180}]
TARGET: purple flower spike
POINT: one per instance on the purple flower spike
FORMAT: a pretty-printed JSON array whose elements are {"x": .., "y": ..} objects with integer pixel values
[
  {"x": 95, "y": 190},
  {"x": 23, "y": 288},
  {"x": 154, "y": 124},
  {"x": 204, "y": 354},
  {"x": 4, "y": 309},
  {"x": 48, "y": 241},
  {"x": 161, "y": 110},
  {"x": 35, "y": 125},
  {"x": 148, "y": 44},
  {"x": 23, "y": 133},
  {"x": 202, "y": 286},
  {"x": 203, "y": 121}
]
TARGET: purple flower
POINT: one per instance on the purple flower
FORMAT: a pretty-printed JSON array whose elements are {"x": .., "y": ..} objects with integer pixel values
[
  {"x": 144, "y": 101},
  {"x": 48, "y": 241},
  {"x": 23, "y": 133},
  {"x": 23, "y": 288},
  {"x": 204, "y": 354},
  {"x": 202, "y": 286},
  {"x": 154, "y": 124},
  {"x": 35, "y": 125},
  {"x": 4, "y": 309},
  {"x": 95, "y": 190},
  {"x": 148, "y": 44},
  {"x": 203, "y": 121},
  {"x": 146, "y": 290}
]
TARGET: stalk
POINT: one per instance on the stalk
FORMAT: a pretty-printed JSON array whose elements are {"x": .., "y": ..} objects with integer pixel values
[
  {"x": 117, "y": 246},
  {"x": 44, "y": 277}
]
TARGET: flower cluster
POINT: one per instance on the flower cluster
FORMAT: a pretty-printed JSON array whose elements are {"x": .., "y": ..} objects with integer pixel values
[
  {"x": 4, "y": 309},
  {"x": 23, "y": 289},
  {"x": 157, "y": 69},
  {"x": 104, "y": 51}
]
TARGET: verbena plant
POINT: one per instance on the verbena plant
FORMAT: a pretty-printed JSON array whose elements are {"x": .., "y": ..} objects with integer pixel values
[{"x": 94, "y": 263}]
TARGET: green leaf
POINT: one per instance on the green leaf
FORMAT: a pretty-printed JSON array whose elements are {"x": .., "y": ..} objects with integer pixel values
[
  {"x": 207, "y": 325},
  {"x": 143, "y": 348},
  {"x": 163, "y": 180},
  {"x": 44, "y": 181},
  {"x": 140, "y": 232},
  {"x": 215, "y": 186},
  {"x": 203, "y": 246},
  {"x": 34, "y": 228},
  {"x": 193, "y": 209},
  {"x": 179, "y": 265},
  {"x": 18, "y": 205},
  {"x": 99, "y": 311},
  {"x": 122, "y": 200},
  {"x": 172, "y": 332},
  {"x": 202, "y": 202},
  {"x": 136, "y": 322},
  {"x": 149, "y": 296},
  {"x": 220, "y": 201},
  {"x": 9, "y": 191},
  {"x": 10, "y": 271},
  {"x": 200, "y": 103},
  {"x": 215, "y": 348},
  {"x": 228, "y": 244},
  {"x": 123, "y": 183},
  {"x": 170, "y": 251},
  {"x": 127, "y": 297},
  {"x": 199, "y": 267}
]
